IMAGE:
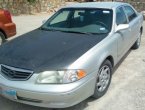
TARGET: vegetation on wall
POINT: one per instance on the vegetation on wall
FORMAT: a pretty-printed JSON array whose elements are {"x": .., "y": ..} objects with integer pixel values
[{"x": 31, "y": 1}]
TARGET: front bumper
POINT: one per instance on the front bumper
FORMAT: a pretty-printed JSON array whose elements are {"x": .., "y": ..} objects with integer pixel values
[{"x": 52, "y": 96}]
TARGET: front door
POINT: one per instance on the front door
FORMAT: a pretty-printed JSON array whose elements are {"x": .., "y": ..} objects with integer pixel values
[
  {"x": 133, "y": 24},
  {"x": 122, "y": 35}
]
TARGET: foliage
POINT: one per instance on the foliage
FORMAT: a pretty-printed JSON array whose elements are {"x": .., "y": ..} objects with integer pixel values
[{"x": 31, "y": 1}]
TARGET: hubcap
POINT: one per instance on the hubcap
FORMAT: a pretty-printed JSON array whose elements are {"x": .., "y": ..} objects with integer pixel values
[{"x": 103, "y": 78}]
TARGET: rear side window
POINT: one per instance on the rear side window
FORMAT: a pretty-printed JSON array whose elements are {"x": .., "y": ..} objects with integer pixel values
[
  {"x": 120, "y": 16},
  {"x": 130, "y": 13}
]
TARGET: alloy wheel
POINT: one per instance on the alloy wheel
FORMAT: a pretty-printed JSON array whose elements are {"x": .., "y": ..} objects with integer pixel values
[{"x": 103, "y": 78}]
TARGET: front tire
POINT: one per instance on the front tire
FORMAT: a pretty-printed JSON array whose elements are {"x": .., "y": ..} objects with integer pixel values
[{"x": 103, "y": 79}]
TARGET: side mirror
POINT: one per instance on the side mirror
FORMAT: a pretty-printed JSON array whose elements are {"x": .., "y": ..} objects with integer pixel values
[
  {"x": 44, "y": 21},
  {"x": 122, "y": 27}
]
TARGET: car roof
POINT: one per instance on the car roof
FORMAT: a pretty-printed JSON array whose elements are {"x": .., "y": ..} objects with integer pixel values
[{"x": 106, "y": 5}]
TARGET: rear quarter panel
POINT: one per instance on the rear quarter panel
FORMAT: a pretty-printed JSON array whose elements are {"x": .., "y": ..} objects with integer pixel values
[
  {"x": 6, "y": 25},
  {"x": 3, "y": 18}
]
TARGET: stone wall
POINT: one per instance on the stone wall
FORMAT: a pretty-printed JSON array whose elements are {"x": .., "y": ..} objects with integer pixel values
[
  {"x": 138, "y": 4},
  {"x": 17, "y": 7}
]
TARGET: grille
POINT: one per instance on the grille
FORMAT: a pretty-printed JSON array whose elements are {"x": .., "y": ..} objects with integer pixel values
[{"x": 15, "y": 73}]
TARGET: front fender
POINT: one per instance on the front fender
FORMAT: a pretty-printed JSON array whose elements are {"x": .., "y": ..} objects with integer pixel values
[{"x": 92, "y": 59}]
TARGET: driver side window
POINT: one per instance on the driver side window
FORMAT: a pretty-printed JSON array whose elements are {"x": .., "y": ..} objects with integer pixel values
[{"x": 120, "y": 16}]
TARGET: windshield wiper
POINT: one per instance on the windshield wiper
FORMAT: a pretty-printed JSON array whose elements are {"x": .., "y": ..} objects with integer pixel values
[
  {"x": 77, "y": 32},
  {"x": 47, "y": 29}
]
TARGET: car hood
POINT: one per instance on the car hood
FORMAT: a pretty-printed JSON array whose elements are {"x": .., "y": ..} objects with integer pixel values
[{"x": 41, "y": 50}]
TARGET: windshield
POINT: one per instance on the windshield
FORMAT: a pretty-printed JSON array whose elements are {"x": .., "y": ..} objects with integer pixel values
[{"x": 95, "y": 21}]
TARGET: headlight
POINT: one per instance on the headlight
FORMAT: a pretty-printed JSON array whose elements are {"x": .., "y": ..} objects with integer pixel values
[{"x": 60, "y": 77}]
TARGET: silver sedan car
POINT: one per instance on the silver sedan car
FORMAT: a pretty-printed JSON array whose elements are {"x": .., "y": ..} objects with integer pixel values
[{"x": 71, "y": 56}]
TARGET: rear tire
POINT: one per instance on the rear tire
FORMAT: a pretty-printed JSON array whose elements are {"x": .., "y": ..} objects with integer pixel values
[
  {"x": 103, "y": 79},
  {"x": 136, "y": 45},
  {"x": 2, "y": 38}
]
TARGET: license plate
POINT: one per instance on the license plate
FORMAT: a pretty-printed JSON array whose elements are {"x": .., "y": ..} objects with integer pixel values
[{"x": 10, "y": 93}]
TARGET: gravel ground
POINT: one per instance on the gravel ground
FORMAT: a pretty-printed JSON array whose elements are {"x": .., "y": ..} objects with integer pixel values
[{"x": 127, "y": 90}]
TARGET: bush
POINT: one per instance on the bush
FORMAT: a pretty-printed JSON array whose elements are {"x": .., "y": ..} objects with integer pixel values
[{"x": 31, "y": 1}]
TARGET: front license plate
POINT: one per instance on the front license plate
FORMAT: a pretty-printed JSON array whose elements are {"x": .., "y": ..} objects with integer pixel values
[{"x": 12, "y": 94}]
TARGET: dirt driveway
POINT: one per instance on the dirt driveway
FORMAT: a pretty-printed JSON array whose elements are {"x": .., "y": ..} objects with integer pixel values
[{"x": 127, "y": 90}]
